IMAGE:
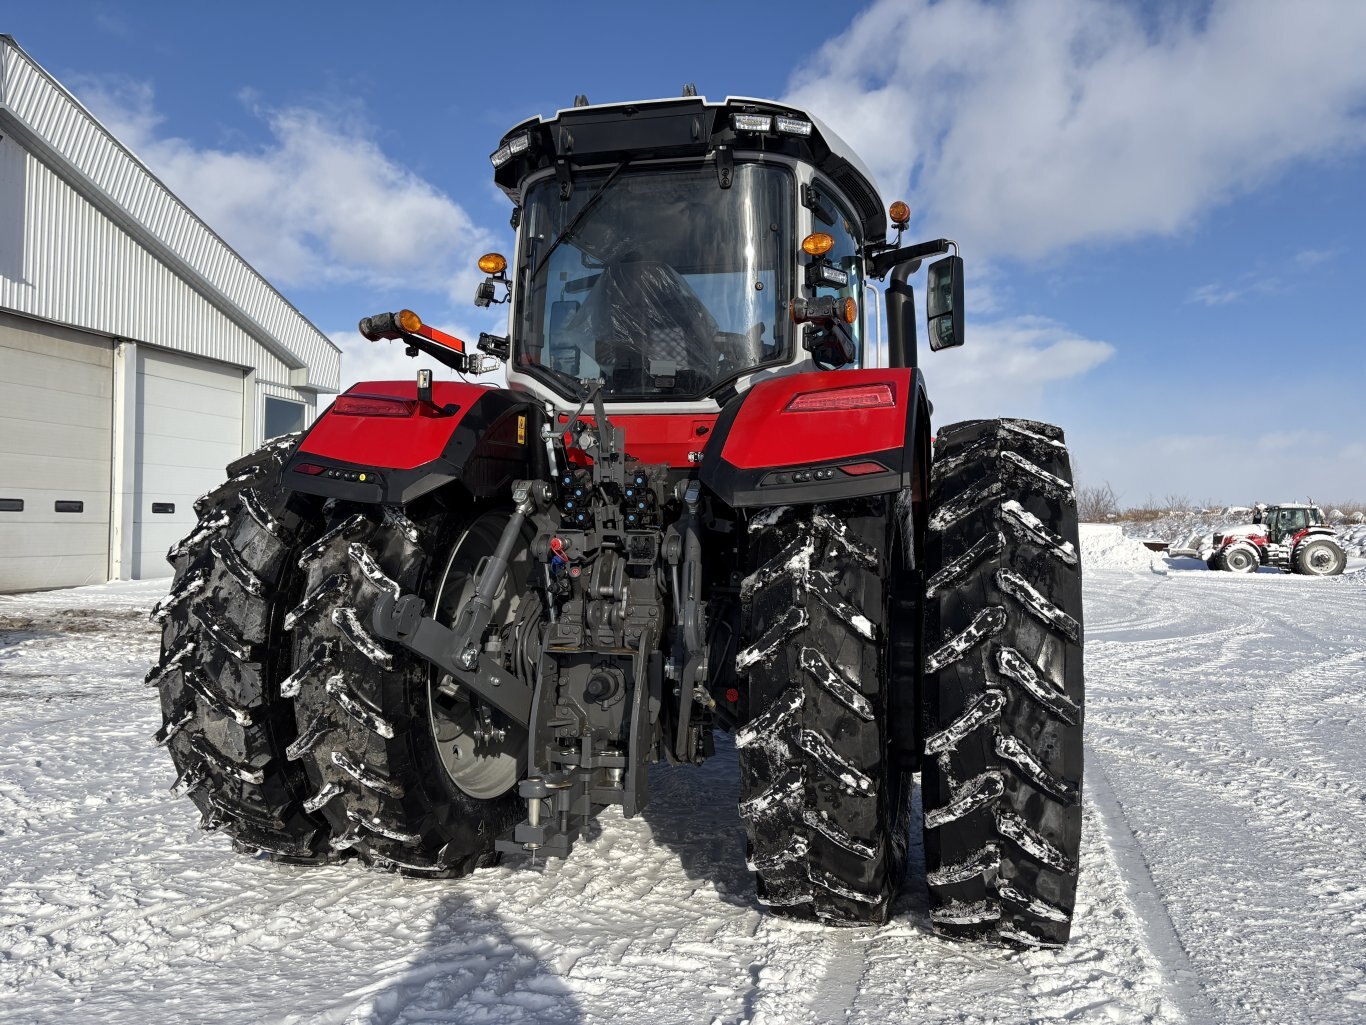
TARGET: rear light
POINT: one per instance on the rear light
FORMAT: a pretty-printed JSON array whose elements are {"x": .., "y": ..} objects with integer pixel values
[
  {"x": 312, "y": 469},
  {"x": 515, "y": 146},
  {"x": 863, "y": 469},
  {"x": 859, "y": 396},
  {"x": 372, "y": 405},
  {"x": 752, "y": 122}
]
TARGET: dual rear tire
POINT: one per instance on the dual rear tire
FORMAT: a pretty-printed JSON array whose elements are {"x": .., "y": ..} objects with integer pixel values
[
  {"x": 824, "y": 788},
  {"x": 292, "y": 728}
]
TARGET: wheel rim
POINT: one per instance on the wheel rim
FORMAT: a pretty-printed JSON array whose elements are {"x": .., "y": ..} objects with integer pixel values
[
  {"x": 480, "y": 749},
  {"x": 1240, "y": 562},
  {"x": 1321, "y": 560}
]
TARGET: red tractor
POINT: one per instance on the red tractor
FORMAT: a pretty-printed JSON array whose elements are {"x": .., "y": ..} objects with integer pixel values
[
  {"x": 1290, "y": 537},
  {"x": 452, "y": 622}
]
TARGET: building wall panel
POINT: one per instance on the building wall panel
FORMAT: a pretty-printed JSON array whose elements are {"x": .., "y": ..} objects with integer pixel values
[
  {"x": 56, "y": 413},
  {"x": 80, "y": 268},
  {"x": 35, "y": 99},
  {"x": 188, "y": 428}
]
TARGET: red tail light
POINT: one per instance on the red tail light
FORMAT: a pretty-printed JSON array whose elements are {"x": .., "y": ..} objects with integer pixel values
[
  {"x": 372, "y": 405},
  {"x": 312, "y": 469},
  {"x": 860, "y": 396},
  {"x": 863, "y": 469}
]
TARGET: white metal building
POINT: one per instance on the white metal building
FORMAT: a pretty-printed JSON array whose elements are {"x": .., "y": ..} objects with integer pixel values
[{"x": 138, "y": 353}]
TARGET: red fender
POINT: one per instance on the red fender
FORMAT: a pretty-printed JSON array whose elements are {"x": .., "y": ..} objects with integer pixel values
[{"x": 818, "y": 437}]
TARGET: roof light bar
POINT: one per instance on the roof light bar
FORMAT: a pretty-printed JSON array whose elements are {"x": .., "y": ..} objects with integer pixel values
[
  {"x": 515, "y": 146},
  {"x": 752, "y": 122},
  {"x": 792, "y": 125}
]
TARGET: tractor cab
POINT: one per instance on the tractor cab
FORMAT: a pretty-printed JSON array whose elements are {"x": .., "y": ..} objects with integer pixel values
[
  {"x": 678, "y": 251},
  {"x": 1285, "y": 521}
]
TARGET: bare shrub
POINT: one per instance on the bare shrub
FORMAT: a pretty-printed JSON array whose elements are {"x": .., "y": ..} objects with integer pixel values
[{"x": 1096, "y": 504}]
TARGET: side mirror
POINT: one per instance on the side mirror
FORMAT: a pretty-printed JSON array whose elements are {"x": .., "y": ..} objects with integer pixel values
[{"x": 944, "y": 303}]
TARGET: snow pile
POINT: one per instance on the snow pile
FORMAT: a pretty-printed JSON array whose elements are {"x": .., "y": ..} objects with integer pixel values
[
  {"x": 1104, "y": 546},
  {"x": 1353, "y": 540}
]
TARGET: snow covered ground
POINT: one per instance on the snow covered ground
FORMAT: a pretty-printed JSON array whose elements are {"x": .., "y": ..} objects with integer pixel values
[{"x": 1224, "y": 877}]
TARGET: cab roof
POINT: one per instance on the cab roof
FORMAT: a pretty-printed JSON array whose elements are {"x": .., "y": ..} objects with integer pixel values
[{"x": 679, "y": 127}]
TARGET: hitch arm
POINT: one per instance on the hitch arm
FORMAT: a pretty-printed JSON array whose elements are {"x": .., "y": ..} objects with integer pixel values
[
  {"x": 473, "y": 619},
  {"x": 401, "y": 620}
]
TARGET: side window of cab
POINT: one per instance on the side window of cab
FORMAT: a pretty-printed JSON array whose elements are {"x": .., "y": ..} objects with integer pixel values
[{"x": 844, "y": 277}]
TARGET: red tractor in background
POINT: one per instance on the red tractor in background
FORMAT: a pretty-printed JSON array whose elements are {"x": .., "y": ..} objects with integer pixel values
[
  {"x": 1291, "y": 537},
  {"x": 451, "y": 622}
]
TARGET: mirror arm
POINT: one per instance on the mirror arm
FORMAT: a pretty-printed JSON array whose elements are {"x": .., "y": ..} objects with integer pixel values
[
  {"x": 900, "y": 302},
  {"x": 879, "y": 265}
]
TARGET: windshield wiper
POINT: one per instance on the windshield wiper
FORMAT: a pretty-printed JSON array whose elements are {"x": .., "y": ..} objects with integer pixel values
[
  {"x": 570, "y": 228},
  {"x": 578, "y": 386}
]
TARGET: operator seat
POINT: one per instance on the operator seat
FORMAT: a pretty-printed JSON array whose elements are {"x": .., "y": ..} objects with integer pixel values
[{"x": 641, "y": 311}]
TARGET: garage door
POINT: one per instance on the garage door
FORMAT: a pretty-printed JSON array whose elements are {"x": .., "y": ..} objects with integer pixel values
[
  {"x": 56, "y": 429},
  {"x": 189, "y": 427}
]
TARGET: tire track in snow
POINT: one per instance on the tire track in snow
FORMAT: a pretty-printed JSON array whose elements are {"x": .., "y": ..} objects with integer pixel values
[
  {"x": 1239, "y": 768},
  {"x": 1162, "y": 940},
  {"x": 652, "y": 919}
]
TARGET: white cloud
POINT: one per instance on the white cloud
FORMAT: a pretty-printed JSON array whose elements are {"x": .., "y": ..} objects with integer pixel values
[
  {"x": 1314, "y": 257},
  {"x": 1005, "y": 366},
  {"x": 1214, "y": 295},
  {"x": 318, "y": 204},
  {"x": 1024, "y": 128}
]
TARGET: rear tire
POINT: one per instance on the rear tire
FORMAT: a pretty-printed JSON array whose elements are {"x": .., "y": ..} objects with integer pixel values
[
  {"x": 826, "y": 810},
  {"x": 375, "y": 736},
  {"x": 224, "y": 720},
  {"x": 1003, "y": 693},
  {"x": 1321, "y": 557}
]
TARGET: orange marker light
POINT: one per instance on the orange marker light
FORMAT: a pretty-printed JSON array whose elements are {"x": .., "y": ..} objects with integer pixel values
[
  {"x": 848, "y": 309},
  {"x": 818, "y": 243},
  {"x": 409, "y": 321},
  {"x": 493, "y": 263},
  {"x": 900, "y": 214}
]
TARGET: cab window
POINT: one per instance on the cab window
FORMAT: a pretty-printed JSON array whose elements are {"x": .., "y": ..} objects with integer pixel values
[{"x": 843, "y": 256}]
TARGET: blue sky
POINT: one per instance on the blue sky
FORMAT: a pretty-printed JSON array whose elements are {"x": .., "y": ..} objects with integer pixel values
[{"x": 1161, "y": 205}]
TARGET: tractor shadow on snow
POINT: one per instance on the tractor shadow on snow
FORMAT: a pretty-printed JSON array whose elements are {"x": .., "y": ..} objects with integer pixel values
[
  {"x": 472, "y": 968},
  {"x": 692, "y": 812},
  {"x": 1187, "y": 564}
]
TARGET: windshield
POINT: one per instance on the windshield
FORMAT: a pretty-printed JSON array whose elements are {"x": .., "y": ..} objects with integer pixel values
[{"x": 668, "y": 286}]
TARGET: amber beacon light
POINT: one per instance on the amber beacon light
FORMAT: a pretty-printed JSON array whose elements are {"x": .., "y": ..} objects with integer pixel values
[{"x": 818, "y": 243}]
